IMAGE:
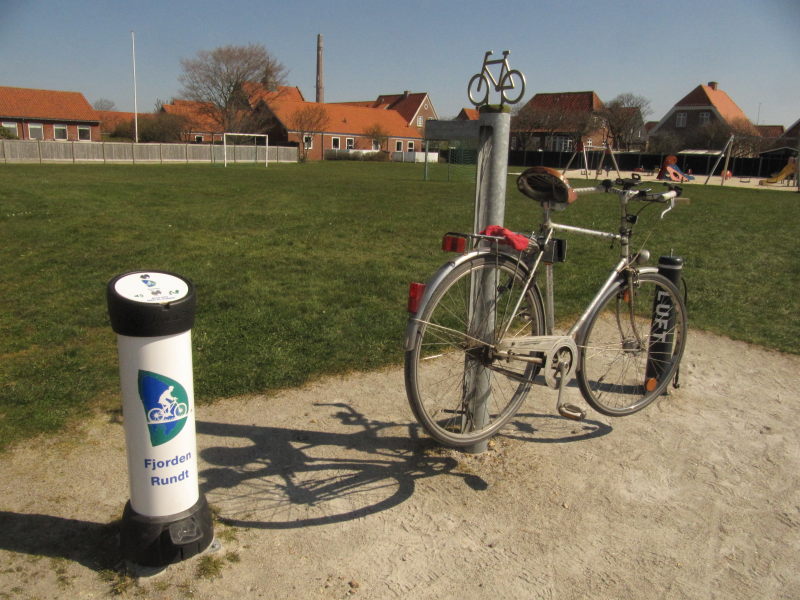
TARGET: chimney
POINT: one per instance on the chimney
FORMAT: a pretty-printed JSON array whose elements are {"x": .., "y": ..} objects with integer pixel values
[
  {"x": 320, "y": 71},
  {"x": 713, "y": 85}
]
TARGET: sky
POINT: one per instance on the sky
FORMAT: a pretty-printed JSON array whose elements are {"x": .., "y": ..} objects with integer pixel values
[{"x": 658, "y": 50}]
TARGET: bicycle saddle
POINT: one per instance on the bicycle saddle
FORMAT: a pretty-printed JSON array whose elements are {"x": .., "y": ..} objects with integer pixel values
[{"x": 546, "y": 185}]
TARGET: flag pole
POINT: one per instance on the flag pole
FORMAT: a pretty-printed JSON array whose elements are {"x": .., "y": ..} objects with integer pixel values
[{"x": 135, "y": 107}]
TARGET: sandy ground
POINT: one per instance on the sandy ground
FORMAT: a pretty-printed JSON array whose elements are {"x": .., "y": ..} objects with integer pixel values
[
  {"x": 331, "y": 491},
  {"x": 747, "y": 182}
]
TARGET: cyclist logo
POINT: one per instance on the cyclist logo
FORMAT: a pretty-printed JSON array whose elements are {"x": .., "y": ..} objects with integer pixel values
[{"x": 166, "y": 406}]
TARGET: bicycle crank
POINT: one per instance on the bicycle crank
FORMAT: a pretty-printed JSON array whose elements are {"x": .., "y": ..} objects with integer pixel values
[{"x": 551, "y": 351}]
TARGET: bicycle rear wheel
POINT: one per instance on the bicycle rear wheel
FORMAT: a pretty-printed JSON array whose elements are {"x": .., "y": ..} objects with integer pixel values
[
  {"x": 632, "y": 345},
  {"x": 452, "y": 359}
]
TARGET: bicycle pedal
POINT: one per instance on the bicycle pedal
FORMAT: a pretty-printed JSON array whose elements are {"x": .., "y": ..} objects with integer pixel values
[{"x": 570, "y": 411}]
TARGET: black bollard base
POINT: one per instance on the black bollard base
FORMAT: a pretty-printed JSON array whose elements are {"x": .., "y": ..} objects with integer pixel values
[{"x": 161, "y": 541}]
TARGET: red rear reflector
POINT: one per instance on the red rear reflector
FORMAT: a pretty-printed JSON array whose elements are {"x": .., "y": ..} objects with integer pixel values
[
  {"x": 452, "y": 243},
  {"x": 415, "y": 292}
]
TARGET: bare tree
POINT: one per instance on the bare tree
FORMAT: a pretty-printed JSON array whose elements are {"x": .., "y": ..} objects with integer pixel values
[
  {"x": 307, "y": 121},
  {"x": 218, "y": 79},
  {"x": 378, "y": 135},
  {"x": 624, "y": 117},
  {"x": 104, "y": 104}
]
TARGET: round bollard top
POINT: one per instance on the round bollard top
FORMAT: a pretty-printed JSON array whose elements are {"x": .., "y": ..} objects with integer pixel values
[{"x": 150, "y": 304}]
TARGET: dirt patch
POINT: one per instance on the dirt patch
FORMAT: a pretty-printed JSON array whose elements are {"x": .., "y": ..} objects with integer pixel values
[{"x": 332, "y": 491}]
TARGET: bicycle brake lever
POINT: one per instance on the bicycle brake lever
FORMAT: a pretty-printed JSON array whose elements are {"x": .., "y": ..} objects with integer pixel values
[{"x": 669, "y": 208}]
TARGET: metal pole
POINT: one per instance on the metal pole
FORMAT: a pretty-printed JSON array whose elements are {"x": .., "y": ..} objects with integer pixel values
[
  {"x": 490, "y": 204},
  {"x": 135, "y": 105}
]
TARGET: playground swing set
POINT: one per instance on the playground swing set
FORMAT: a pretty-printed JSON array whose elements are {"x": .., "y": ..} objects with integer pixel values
[{"x": 669, "y": 167}]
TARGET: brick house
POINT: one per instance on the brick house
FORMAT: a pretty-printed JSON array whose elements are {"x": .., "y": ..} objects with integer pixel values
[
  {"x": 701, "y": 109},
  {"x": 557, "y": 121},
  {"x": 415, "y": 107},
  {"x": 348, "y": 127},
  {"x": 31, "y": 114}
]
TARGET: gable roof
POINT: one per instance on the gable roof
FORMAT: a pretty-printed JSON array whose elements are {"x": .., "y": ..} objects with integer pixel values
[
  {"x": 468, "y": 114},
  {"x": 711, "y": 95},
  {"x": 566, "y": 101},
  {"x": 348, "y": 119},
  {"x": 51, "y": 105},
  {"x": 408, "y": 104}
]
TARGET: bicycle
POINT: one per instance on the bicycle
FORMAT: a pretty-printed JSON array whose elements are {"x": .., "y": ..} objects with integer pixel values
[
  {"x": 480, "y": 330},
  {"x": 509, "y": 79}
]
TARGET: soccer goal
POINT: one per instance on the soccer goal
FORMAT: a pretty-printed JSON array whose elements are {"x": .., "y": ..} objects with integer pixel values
[{"x": 247, "y": 149}]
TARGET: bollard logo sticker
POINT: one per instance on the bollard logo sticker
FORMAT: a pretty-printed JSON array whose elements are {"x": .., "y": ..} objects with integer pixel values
[{"x": 166, "y": 406}]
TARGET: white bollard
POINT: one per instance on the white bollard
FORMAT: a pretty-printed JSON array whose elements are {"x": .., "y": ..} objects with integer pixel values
[{"x": 167, "y": 518}]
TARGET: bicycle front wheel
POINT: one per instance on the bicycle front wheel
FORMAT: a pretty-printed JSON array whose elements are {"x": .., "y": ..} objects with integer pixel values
[
  {"x": 513, "y": 86},
  {"x": 452, "y": 367},
  {"x": 632, "y": 345}
]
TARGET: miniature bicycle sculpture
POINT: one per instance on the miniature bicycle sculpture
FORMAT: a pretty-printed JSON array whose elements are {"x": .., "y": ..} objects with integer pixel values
[
  {"x": 480, "y": 330},
  {"x": 509, "y": 80}
]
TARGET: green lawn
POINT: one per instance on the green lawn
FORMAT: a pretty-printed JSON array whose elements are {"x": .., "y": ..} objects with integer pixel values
[{"x": 302, "y": 270}]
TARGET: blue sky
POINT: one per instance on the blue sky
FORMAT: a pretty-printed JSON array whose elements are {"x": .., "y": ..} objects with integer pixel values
[{"x": 659, "y": 50}]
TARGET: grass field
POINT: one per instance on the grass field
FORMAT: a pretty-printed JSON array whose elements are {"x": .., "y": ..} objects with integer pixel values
[{"x": 302, "y": 270}]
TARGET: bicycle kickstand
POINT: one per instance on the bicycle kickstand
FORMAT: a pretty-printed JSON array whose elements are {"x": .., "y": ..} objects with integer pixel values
[{"x": 566, "y": 410}]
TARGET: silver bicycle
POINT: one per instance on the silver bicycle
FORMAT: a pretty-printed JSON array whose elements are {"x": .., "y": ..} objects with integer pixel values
[
  {"x": 509, "y": 80},
  {"x": 480, "y": 331}
]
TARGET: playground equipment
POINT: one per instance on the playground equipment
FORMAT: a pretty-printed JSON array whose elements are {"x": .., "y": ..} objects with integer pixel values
[
  {"x": 582, "y": 150},
  {"x": 670, "y": 170},
  {"x": 787, "y": 171}
]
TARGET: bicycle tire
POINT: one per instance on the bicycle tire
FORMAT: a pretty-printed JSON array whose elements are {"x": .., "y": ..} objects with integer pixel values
[
  {"x": 620, "y": 370},
  {"x": 507, "y": 83},
  {"x": 481, "y": 80},
  {"x": 446, "y": 355}
]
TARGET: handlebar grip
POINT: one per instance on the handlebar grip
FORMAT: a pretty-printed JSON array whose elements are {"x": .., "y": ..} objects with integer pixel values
[{"x": 587, "y": 190}]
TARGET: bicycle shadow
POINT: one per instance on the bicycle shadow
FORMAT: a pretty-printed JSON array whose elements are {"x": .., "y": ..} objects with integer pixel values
[
  {"x": 279, "y": 478},
  {"x": 541, "y": 428}
]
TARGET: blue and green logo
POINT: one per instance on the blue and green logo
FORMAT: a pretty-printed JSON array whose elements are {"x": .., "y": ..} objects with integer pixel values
[{"x": 166, "y": 406}]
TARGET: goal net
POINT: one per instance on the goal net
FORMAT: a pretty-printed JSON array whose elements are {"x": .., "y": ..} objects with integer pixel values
[{"x": 245, "y": 147}]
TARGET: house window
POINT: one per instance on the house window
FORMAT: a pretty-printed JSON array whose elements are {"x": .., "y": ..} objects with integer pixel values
[
  {"x": 376, "y": 145},
  {"x": 350, "y": 142},
  {"x": 398, "y": 145},
  {"x": 59, "y": 132},
  {"x": 562, "y": 143},
  {"x": 11, "y": 128},
  {"x": 420, "y": 121},
  {"x": 680, "y": 119},
  {"x": 198, "y": 139},
  {"x": 84, "y": 133},
  {"x": 705, "y": 117},
  {"x": 410, "y": 146},
  {"x": 308, "y": 142},
  {"x": 335, "y": 143},
  {"x": 35, "y": 131}
]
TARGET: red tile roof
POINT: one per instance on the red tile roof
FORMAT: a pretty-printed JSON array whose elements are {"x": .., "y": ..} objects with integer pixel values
[
  {"x": 110, "y": 119},
  {"x": 51, "y": 105},
  {"x": 407, "y": 104},
  {"x": 705, "y": 95},
  {"x": 567, "y": 101},
  {"x": 468, "y": 114},
  {"x": 347, "y": 119},
  {"x": 770, "y": 131},
  {"x": 199, "y": 115}
]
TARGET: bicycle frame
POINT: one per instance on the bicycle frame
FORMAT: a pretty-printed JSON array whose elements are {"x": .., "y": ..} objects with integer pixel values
[
  {"x": 624, "y": 263},
  {"x": 503, "y": 70}
]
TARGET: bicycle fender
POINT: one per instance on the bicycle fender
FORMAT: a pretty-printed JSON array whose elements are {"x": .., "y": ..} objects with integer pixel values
[{"x": 436, "y": 279}]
